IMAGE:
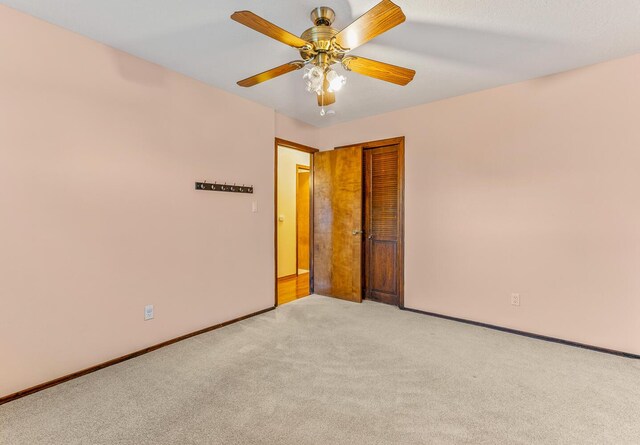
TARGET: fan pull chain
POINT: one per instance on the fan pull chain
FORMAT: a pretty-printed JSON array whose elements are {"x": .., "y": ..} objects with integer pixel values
[{"x": 322, "y": 112}]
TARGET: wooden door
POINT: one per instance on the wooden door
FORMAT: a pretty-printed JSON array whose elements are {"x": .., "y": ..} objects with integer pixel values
[
  {"x": 383, "y": 223},
  {"x": 337, "y": 219}
]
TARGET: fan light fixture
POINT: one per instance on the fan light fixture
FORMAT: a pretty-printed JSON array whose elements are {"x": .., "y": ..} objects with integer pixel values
[
  {"x": 316, "y": 76},
  {"x": 324, "y": 82},
  {"x": 322, "y": 46}
]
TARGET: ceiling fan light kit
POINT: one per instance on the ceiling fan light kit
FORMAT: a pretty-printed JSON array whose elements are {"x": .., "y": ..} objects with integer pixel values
[{"x": 322, "y": 46}]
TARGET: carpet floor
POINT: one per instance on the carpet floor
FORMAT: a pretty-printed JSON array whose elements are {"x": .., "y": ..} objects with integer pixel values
[{"x": 324, "y": 371}]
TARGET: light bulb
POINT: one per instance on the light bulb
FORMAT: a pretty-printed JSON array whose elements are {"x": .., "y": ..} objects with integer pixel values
[
  {"x": 335, "y": 80},
  {"x": 337, "y": 83},
  {"x": 315, "y": 78}
]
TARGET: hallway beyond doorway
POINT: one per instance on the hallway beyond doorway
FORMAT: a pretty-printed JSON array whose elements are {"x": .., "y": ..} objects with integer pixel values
[
  {"x": 293, "y": 221},
  {"x": 292, "y": 288}
]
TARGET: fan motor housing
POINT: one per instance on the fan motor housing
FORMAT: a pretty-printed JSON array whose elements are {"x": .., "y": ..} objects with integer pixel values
[
  {"x": 320, "y": 36},
  {"x": 322, "y": 15}
]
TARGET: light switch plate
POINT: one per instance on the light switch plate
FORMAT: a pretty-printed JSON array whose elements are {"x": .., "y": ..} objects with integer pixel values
[{"x": 148, "y": 312}]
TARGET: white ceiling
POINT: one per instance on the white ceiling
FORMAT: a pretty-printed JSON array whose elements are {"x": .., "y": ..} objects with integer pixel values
[{"x": 456, "y": 46}]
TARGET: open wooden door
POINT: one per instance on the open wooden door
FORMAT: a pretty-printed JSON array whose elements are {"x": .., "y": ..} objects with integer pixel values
[{"x": 337, "y": 216}]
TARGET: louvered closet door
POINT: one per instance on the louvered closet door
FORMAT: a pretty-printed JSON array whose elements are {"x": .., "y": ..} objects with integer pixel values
[{"x": 382, "y": 229}]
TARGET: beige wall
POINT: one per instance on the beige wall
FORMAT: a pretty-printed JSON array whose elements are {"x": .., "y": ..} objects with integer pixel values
[
  {"x": 287, "y": 160},
  {"x": 99, "y": 152},
  {"x": 296, "y": 131},
  {"x": 530, "y": 188}
]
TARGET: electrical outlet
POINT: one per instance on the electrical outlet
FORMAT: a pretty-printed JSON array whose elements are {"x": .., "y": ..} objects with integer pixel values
[
  {"x": 254, "y": 206},
  {"x": 148, "y": 312},
  {"x": 515, "y": 299}
]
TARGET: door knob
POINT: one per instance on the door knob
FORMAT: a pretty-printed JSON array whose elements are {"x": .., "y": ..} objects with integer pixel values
[
  {"x": 370, "y": 236},
  {"x": 357, "y": 232}
]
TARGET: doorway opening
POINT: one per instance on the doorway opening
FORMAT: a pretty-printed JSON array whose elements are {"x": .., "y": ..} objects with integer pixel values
[
  {"x": 293, "y": 221},
  {"x": 303, "y": 217}
]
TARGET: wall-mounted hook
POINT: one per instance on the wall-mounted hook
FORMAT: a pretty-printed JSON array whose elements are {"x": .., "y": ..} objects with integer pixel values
[{"x": 223, "y": 187}]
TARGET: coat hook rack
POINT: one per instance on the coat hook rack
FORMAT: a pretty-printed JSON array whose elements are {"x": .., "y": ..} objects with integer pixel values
[{"x": 215, "y": 187}]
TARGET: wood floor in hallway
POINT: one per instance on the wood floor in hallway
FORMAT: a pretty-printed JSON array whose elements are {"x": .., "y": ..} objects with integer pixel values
[{"x": 292, "y": 288}]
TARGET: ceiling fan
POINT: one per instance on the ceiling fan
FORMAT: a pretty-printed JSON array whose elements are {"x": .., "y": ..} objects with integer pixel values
[{"x": 322, "y": 46}]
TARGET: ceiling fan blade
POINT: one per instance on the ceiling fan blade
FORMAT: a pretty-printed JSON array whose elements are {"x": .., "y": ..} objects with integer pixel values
[
  {"x": 381, "y": 18},
  {"x": 272, "y": 73},
  {"x": 328, "y": 97},
  {"x": 379, "y": 70},
  {"x": 257, "y": 23}
]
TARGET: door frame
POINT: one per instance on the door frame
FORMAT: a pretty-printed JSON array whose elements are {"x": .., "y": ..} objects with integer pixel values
[
  {"x": 308, "y": 168},
  {"x": 379, "y": 144},
  {"x": 305, "y": 148}
]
